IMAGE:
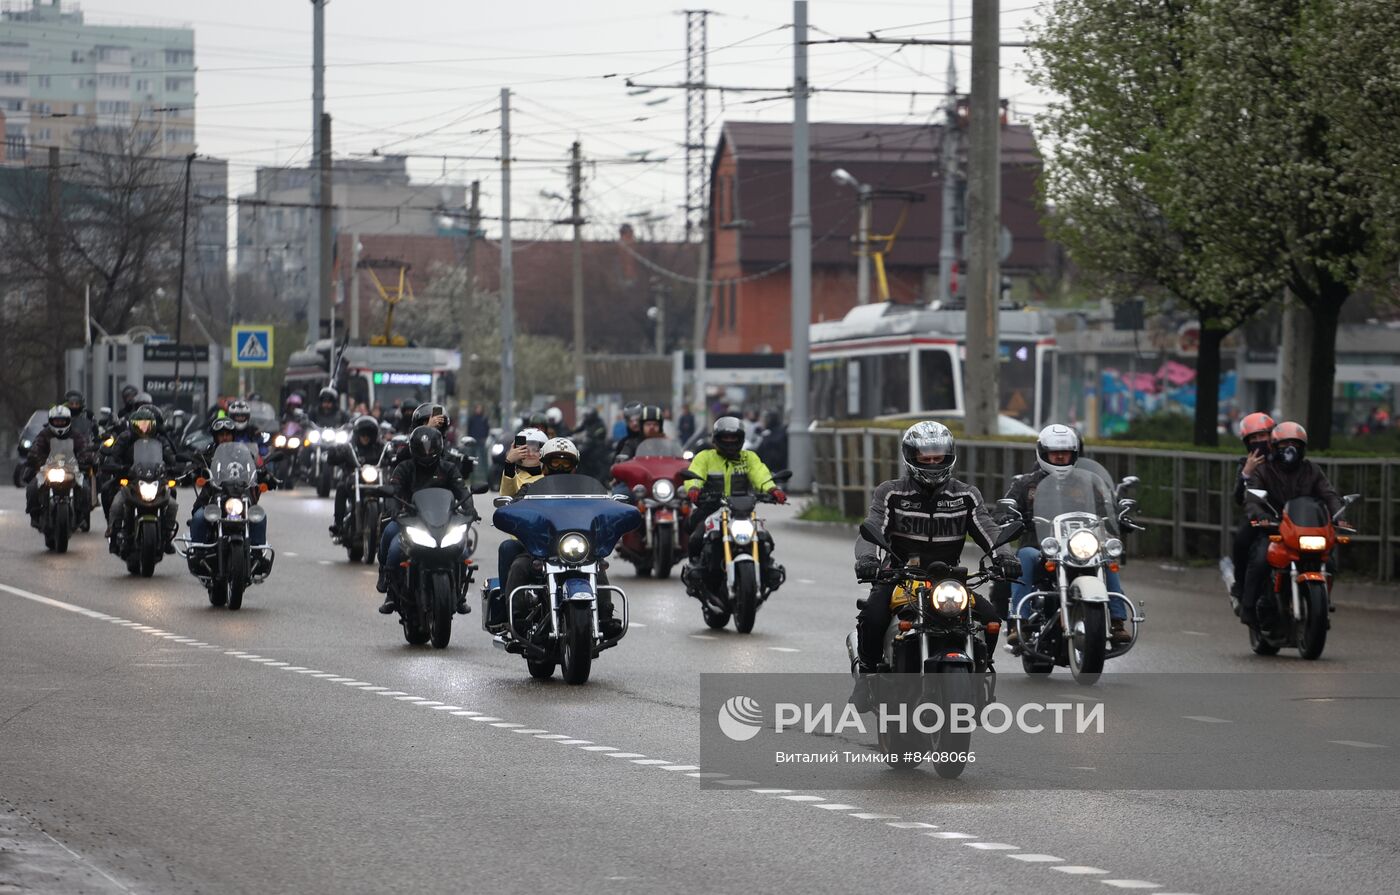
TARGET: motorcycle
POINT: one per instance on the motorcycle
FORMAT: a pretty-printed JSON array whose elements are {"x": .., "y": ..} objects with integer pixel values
[
  {"x": 569, "y": 524},
  {"x": 60, "y": 480},
  {"x": 737, "y": 549},
  {"x": 935, "y": 652},
  {"x": 141, "y": 543},
  {"x": 316, "y": 455},
  {"x": 435, "y": 572},
  {"x": 653, "y": 476},
  {"x": 1294, "y": 609},
  {"x": 230, "y": 562},
  {"x": 37, "y": 420},
  {"x": 287, "y": 442},
  {"x": 1064, "y": 620},
  {"x": 364, "y": 515}
]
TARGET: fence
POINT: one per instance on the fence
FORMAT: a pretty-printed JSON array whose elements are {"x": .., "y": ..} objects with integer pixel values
[{"x": 1185, "y": 498}]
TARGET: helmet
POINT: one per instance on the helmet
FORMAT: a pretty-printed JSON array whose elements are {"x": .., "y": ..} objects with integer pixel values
[
  {"x": 366, "y": 426},
  {"x": 1053, "y": 439},
  {"x": 60, "y": 420},
  {"x": 293, "y": 400},
  {"x": 386, "y": 428},
  {"x": 222, "y": 424},
  {"x": 425, "y": 445},
  {"x": 559, "y": 455},
  {"x": 143, "y": 398},
  {"x": 728, "y": 437},
  {"x": 928, "y": 437},
  {"x": 328, "y": 394},
  {"x": 143, "y": 421},
  {"x": 128, "y": 393},
  {"x": 632, "y": 410},
  {"x": 241, "y": 413},
  {"x": 537, "y": 420},
  {"x": 534, "y": 437},
  {"x": 425, "y": 412},
  {"x": 1290, "y": 443},
  {"x": 467, "y": 444},
  {"x": 554, "y": 416},
  {"x": 651, "y": 413},
  {"x": 1255, "y": 424},
  {"x": 74, "y": 399}
]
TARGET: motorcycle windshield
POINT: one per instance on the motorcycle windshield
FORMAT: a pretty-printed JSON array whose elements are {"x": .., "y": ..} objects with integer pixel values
[
  {"x": 1082, "y": 494},
  {"x": 658, "y": 447},
  {"x": 147, "y": 458},
  {"x": 434, "y": 506},
  {"x": 37, "y": 420},
  {"x": 233, "y": 466},
  {"x": 61, "y": 451},
  {"x": 538, "y": 520}
]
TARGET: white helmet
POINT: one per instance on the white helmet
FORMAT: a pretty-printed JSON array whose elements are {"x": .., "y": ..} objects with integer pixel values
[
  {"x": 559, "y": 455},
  {"x": 534, "y": 437},
  {"x": 1055, "y": 438},
  {"x": 554, "y": 415}
]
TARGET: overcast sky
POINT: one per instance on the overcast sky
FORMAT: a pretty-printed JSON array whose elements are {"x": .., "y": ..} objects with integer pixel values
[{"x": 423, "y": 77}]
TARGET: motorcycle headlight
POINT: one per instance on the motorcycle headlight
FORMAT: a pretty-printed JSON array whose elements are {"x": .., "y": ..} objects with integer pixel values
[
  {"x": 573, "y": 547},
  {"x": 313, "y": 437},
  {"x": 742, "y": 531},
  {"x": 1083, "y": 545},
  {"x": 148, "y": 490},
  {"x": 233, "y": 507},
  {"x": 369, "y": 474},
  {"x": 26, "y": 444},
  {"x": 342, "y": 438},
  {"x": 949, "y": 597},
  {"x": 1305, "y": 542},
  {"x": 293, "y": 442},
  {"x": 1113, "y": 547},
  {"x": 107, "y": 442},
  {"x": 663, "y": 489},
  {"x": 280, "y": 441},
  {"x": 497, "y": 450},
  {"x": 419, "y": 536},
  {"x": 57, "y": 475},
  {"x": 454, "y": 536}
]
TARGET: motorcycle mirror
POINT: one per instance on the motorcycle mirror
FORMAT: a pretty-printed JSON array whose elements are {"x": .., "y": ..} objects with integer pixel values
[
  {"x": 872, "y": 534},
  {"x": 502, "y": 501},
  {"x": 1009, "y": 506},
  {"x": 692, "y": 474},
  {"x": 782, "y": 475},
  {"x": 1350, "y": 499},
  {"x": 480, "y": 489},
  {"x": 1009, "y": 532},
  {"x": 1259, "y": 493},
  {"x": 1127, "y": 503}
]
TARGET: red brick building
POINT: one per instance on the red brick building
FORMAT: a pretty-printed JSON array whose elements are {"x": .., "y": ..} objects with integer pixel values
[{"x": 751, "y": 207}]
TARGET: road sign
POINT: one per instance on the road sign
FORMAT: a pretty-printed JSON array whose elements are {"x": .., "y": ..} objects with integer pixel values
[{"x": 252, "y": 346}]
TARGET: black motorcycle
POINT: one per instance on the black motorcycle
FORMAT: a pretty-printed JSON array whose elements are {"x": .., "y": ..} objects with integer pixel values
[
  {"x": 140, "y": 541},
  {"x": 364, "y": 514},
  {"x": 229, "y": 562},
  {"x": 433, "y": 531},
  {"x": 60, "y": 483},
  {"x": 37, "y": 420},
  {"x": 737, "y": 557}
]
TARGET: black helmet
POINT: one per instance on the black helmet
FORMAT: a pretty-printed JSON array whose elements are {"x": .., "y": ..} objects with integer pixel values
[
  {"x": 651, "y": 414},
  {"x": 144, "y": 421},
  {"x": 366, "y": 425},
  {"x": 222, "y": 424},
  {"x": 328, "y": 394},
  {"x": 425, "y": 444},
  {"x": 929, "y": 438},
  {"x": 240, "y": 413},
  {"x": 425, "y": 412},
  {"x": 60, "y": 420},
  {"x": 537, "y": 420},
  {"x": 728, "y": 437},
  {"x": 129, "y": 393},
  {"x": 74, "y": 399}
]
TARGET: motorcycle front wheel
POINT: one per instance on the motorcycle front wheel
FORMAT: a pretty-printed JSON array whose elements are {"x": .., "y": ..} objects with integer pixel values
[
  {"x": 745, "y": 596},
  {"x": 955, "y": 688},
  {"x": 903, "y": 749},
  {"x": 1086, "y": 654},
  {"x": 60, "y": 530},
  {"x": 237, "y": 577},
  {"x": 441, "y": 608},
  {"x": 1312, "y": 627},
  {"x": 576, "y": 643},
  {"x": 663, "y": 553},
  {"x": 148, "y": 549}
]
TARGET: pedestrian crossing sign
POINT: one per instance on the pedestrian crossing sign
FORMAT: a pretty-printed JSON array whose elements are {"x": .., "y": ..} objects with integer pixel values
[{"x": 252, "y": 346}]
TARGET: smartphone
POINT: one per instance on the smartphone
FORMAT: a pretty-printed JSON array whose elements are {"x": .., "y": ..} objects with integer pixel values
[{"x": 520, "y": 441}]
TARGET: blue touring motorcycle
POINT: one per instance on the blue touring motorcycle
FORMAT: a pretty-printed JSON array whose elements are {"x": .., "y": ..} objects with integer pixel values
[{"x": 568, "y": 524}]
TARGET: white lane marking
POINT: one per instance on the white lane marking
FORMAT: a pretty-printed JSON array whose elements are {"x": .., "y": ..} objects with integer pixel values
[
  {"x": 992, "y": 846},
  {"x": 1131, "y": 883},
  {"x": 324, "y": 675},
  {"x": 392, "y": 693},
  {"x": 736, "y": 782},
  {"x": 680, "y": 767},
  {"x": 552, "y": 736},
  {"x": 324, "y": 562},
  {"x": 770, "y": 792},
  {"x": 784, "y": 649},
  {"x": 702, "y": 637},
  {"x": 430, "y": 702},
  {"x": 261, "y": 660},
  {"x": 1196, "y": 633},
  {"x": 912, "y": 825},
  {"x": 341, "y": 680},
  {"x": 507, "y": 724},
  {"x": 530, "y": 730},
  {"x": 946, "y": 835},
  {"x": 467, "y": 714},
  {"x": 446, "y": 708},
  {"x": 599, "y": 748},
  {"x": 803, "y": 798},
  {"x": 837, "y": 806},
  {"x": 486, "y": 718},
  {"x": 1207, "y": 719},
  {"x": 373, "y": 689},
  {"x": 805, "y": 581},
  {"x": 626, "y": 755},
  {"x": 1357, "y": 744},
  {"x": 290, "y": 553},
  {"x": 1038, "y": 859},
  {"x": 705, "y": 775},
  {"x": 295, "y": 668},
  {"x": 632, "y": 624},
  {"x": 652, "y": 761},
  {"x": 1078, "y": 870},
  {"x": 183, "y": 639},
  {"x": 571, "y": 742}
]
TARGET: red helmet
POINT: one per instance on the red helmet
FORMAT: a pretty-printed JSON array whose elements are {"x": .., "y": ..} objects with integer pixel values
[
  {"x": 1289, "y": 431},
  {"x": 1255, "y": 424}
]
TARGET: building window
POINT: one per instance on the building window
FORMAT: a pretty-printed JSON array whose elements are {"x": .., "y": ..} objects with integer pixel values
[
  {"x": 114, "y": 81},
  {"x": 179, "y": 57},
  {"x": 179, "y": 135},
  {"x": 113, "y": 107},
  {"x": 178, "y": 85},
  {"x": 12, "y": 77},
  {"x": 43, "y": 135},
  {"x": 14, "y": 105},
  {"x": 44, "y": 81},
  {"x": 41, "y": 108},
  {"x": 143, "y": 85}
]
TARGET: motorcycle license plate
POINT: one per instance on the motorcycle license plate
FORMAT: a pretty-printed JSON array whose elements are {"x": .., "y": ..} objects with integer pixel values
[{"x": 665, "y": 516}]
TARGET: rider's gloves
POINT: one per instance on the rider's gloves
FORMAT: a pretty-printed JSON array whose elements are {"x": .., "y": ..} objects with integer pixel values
[
  {"x": 867, "y": 567},
  {"x": 778, "y": 495},
  {"x": 693, "y": 495},
  {"x": 1009, "y": 566}
]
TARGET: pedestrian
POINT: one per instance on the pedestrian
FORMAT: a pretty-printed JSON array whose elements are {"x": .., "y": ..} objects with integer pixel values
[
  {"x": 685, "y": 426},
  {"x": 478, "y": 424}
]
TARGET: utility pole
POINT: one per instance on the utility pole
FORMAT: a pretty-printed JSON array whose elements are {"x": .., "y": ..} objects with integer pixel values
[
  {"x": 180, "y": 286},
  {"x": 947, "y": 235},
  {"x": 507, "y": 277},
  {"x": 799, "y": 439},
  {"x": 316, "y": 288},
  {"x": 324, "y": 222},
  {"x": 697, "y": 176},
  {"x": 354, "y": 288},
  {"x": 464, "y": 363},
  {"x": 51, "y": 284},
  {"x": 981, "y": 386},
  {"x": 576, "y": 205}
]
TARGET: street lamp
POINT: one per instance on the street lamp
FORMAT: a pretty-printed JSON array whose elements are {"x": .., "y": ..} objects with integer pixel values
[{"x": 842, "y": 177}]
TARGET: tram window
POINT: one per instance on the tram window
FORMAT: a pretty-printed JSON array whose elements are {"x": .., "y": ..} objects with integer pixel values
[
  {"x": 1018, "y": 381},
  {"x": 884, "y": 384},
  {"x": 936, "y": 380},
  {"x": 829, "y": 389}
]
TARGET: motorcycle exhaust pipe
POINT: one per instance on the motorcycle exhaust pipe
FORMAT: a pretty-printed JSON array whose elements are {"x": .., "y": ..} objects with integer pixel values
[{"x": 853, "y": 651}]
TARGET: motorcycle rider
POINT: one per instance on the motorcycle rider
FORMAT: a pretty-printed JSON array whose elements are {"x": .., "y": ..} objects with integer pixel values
[
  {"x": 129, "y": 403},
  {"x": 292, "y": 409},
  {"x": 427, "y": 468},
  {"x": 84, "y": 423},
  {"x": 224, "y": 431},
  {"x": 1286, "y": 474},
  {"x": 926, "y": 516},
  {"x": 726, "y": 457},
  {"x": 327, "y": 413},
  {"x": 241, "y": 412},
  {"x": 1057, "y": 449},
  {"x": 363, "y": 449},
  {"x": 1255, "y": 430},
  {"x": 142, "y": 425},
  {"x": 60, "y": 426},
  {"x": 632, "y": 421},
  {"x": 649, "y": 425},
  {"x": 559, "y": 456},
  {"x": 522, "y": 466}
]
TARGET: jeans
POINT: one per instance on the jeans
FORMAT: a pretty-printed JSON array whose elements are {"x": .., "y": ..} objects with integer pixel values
[
  {"x": 506, "y": 554},
  {"x": 391, "y": 531},
  {"x": 200, "y": 530},
  {"x": 1030, "y": 561}
]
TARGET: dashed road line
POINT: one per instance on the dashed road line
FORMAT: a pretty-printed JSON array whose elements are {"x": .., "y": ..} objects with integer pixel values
[
  {"x": 1037, "y": 858},
  {"x": 1131, "y": 883},
  {"x": 1079, "y": 870},
  {"x": 992, "y": 846},
  {"x": 1207, "y": 719},
  {"x": 1357, "y": 744}
]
